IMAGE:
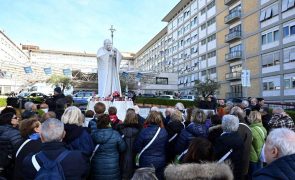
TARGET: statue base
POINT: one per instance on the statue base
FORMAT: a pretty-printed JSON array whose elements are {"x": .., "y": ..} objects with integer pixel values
[{"x": 121, "y": 106}]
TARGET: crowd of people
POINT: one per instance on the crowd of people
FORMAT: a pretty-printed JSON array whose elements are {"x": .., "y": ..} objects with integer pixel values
[{"x": 235, "y": 141}]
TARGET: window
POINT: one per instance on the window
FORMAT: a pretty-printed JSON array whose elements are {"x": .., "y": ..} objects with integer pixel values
[
  {"x": 203, "y": 73},
  {"x": 268, "y": 86},
  {"x": 211, "y": 5},
  {"x": 194, "y": 50},
  {"x": 287, "y": 4},
  {"x": 289, "y": 30},
  {"x": 289, "y": 83},
  {"x": 270, "y": 37},
  {"x": 211, "y": 38},
  {"x": 212, "y": 71},
  {"x": 211, "y": 21},
  {"x": 211, "y": 54},
  {"x": 237, "y": 8},
  {"x": 203, "y": 57},
  {"x": 269, "y": 12},
  {"x": 203, "y": 11},
  {"x": 270, "y": 59},
  {"x": 161, "y": 80},
  {"x": 203, "y": 42},
  {"x": 236, "y": 48},
  {"x": 203, "y": 26},
  {"x": 237, "y": 28},
  {"x": 236, "y": 68},
  {"x": 289, "y": 55}
]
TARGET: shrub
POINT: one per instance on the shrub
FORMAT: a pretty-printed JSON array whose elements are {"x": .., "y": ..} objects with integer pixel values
[
  {"x": 291, "y": 114},
  {"x": 2, "y": 102}
]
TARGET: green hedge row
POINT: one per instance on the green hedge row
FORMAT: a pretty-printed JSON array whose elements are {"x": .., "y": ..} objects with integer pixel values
[
  {"x": 291, "y": 114},
  {"x": 2, "y": 102},
  {"x": 164, "y": 102}
]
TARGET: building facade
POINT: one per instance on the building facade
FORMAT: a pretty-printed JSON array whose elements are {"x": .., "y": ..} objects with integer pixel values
[
  {"x": 23, "y": 65},
  {"x": 218, "y": 39}
]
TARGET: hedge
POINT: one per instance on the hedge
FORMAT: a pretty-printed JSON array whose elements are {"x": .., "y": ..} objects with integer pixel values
[
  {"x": 2, "y": 102},
  {"x": 164, "y": 102},
  {"x": 291, "y": 114}
]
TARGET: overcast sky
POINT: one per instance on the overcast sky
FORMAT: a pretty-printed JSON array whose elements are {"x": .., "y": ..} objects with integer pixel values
[{"x": 82, "y": 25}]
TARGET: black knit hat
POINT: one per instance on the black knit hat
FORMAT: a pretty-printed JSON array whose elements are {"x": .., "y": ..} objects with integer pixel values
[{"x": 57, "y": 89}]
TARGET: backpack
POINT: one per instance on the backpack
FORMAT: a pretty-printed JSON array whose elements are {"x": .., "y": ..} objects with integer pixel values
[
  {"x": 51, "y": 169},
  {"x": 6, "y": 156}
]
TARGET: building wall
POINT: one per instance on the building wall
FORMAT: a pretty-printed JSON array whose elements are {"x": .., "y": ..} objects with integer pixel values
[{"x": 277, "y": 78}]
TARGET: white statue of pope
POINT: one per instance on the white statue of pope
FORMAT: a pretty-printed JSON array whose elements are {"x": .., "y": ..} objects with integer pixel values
[{"x": 108, "y": 65}]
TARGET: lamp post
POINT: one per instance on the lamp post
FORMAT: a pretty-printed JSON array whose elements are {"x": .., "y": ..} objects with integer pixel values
[{"x": 112, "y": 29}]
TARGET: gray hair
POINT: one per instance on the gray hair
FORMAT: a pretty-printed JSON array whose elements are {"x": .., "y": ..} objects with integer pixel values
[
  {"x": 230, "y": 123},
  {"x": 283, "y": 139},
  {"x": 229, "y": 104},
  {"x": 28, "y": 106},
  {"x": 146, "y": 173},
  {"x": 278, "y": 110},
  {"x": 245, "y": 103},
  {"x": 52, "y": 130}
]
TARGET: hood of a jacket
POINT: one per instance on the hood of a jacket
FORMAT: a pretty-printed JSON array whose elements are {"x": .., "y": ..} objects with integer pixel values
[
  {"x": 197, "y": 129},
  {"x": 198, "y": 171}
]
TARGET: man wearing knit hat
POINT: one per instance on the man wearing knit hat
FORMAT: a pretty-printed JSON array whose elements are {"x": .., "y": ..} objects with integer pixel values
[{"x": 56, "y": 96}]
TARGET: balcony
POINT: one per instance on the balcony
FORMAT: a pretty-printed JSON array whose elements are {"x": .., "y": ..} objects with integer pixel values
[
  {"x": 235, "y": 35},
  {"x": 235, "y": 15},
  {"x": 233, "y": 76},
  {"x": 234, "y": 55},
  {"x": 229, "y": 2},
  {"x": 234, "y": 95}
]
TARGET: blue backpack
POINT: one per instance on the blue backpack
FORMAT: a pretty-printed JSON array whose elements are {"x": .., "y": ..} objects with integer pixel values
[{"x": 50, "y": 169}]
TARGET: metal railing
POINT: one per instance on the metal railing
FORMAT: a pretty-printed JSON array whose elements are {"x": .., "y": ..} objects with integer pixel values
[
  {"x": 233, "y": 35},
  {"x": 233, "y": 75},
  {"x": 233, "y": 55},
  {"x": 232, "y": 16},
  {"x": 228, "y": 2}
]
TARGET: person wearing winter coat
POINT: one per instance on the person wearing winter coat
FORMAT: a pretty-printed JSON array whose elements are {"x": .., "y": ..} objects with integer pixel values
[
  {"x": 30, "y": 131},
  {"x": 99, "y": 109},
  {"x": 259, "y": 135},
  {"x": 109, "y": 144},
  {"x": 198, "y": 171},
  {"x": 74, "y": 164},
  {"x": 10, "y": 140},
  {"x": 173, "y": 128},
  {"x": 215, "y": 130},
  {"x": 155, "y": 154},
  {"x": 200, "y": 150},
  {"x": 197, "y": 128},
  {"x": 77, "y": 137},
  {"x": 129, "y": 131},
  {"x": 279, "y": 154},
  {"x": 245, "y": 133},
  {"x": 230, "y": 142},
  {"x": 115, "y": 121},
  {"x": 281, "y": 119}
]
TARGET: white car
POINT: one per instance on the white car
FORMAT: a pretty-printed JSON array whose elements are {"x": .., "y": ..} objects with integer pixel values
[
  {"x": 166, "y": 97},
  {"x": 188, "y": 97}
]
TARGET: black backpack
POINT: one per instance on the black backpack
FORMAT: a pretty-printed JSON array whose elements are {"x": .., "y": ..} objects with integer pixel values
[{"x": 50, "y": 169}]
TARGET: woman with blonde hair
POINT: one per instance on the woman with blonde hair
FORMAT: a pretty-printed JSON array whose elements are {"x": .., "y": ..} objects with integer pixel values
[
  {"x": 259, "y": 134},
  {"x": 151, "y": 144},
  {"x": 129, "y": 131},
  {"x": 77, "y": 137}
]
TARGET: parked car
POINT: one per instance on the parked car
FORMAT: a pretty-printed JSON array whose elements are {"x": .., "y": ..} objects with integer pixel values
[
  {"x": 82, "y": 97},
  {"x": 23, "y": 97},
  {"x": 166, "y": 97},
  {"x": 188, "y": 97},
  {"x": 148, "y": 95}
]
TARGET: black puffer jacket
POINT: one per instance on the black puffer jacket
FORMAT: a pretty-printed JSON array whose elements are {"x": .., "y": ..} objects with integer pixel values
[
  {"x": 173, "y": 129},
  {"x": 129, "y": 133},
  {"x": 187, "y": 134},
  {"x": 10, "y": 140}
]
